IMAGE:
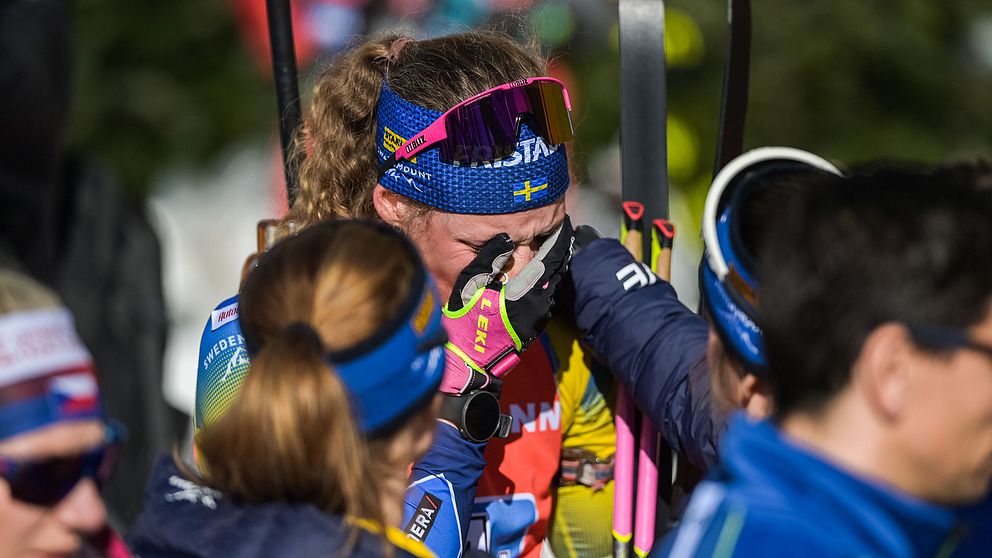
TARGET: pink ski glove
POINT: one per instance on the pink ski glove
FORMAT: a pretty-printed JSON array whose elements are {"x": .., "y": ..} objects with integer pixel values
[{"x": 489, "y": 323}]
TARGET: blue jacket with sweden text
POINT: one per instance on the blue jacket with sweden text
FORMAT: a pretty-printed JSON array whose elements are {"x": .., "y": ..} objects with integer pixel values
[
  {"x": 634, "y": 323},
  {"x": 182, "y": 519},
  {"x": 772, "y": 498}
]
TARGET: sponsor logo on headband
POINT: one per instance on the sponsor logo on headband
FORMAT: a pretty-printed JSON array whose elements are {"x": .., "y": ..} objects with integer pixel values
[
  {"x": 423, "y": 519},
  {"x": 530, "y": 190},
  {"x": 528, "y": 151},
  {"x": 392, "y": 141}
]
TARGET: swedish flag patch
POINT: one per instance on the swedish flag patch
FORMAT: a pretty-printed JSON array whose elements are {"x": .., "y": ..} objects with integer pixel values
[{"x": 530, "y": 190}]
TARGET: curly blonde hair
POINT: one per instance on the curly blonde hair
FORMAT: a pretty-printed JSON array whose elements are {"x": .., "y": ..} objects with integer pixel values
[{"x": 335, "y": 150}]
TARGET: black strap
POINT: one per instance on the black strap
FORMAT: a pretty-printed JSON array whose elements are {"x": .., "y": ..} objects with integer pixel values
[{"x": 733, "y": 109}]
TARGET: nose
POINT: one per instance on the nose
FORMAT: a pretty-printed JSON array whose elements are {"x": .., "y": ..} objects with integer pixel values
[
  {"x": 522, "y": 255},
  {"x": 82, "y": 509}
]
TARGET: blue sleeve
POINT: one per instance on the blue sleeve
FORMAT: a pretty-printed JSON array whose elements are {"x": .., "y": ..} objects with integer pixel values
[
  {"x": 438, "y": 503},
  {"x": 634, "y": 322}
]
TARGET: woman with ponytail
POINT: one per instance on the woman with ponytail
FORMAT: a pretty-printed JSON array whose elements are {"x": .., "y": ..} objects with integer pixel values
[
  {"x": 460, "y": 142},
  {"x": 344, "y": 335}
]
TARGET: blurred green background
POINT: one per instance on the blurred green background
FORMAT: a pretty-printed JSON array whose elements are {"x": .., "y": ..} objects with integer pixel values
[{"x": 162, "y": 84}]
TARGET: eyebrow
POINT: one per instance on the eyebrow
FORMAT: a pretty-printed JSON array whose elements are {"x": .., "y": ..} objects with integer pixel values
[{"x": 478, "y": 242}]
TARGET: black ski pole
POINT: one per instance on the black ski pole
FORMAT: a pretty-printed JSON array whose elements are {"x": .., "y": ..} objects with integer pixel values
[{"x": 287, "y": 90}]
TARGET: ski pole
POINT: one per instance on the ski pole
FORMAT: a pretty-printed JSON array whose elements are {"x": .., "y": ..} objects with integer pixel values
[
  {"x": 280, "y": 21},
  {"x": 287, "y": 90},
  {"x": 623, "y": 463},
  {"x": 733, "y": 107},
  {"x": 662, "y": 238},
  {"x": 644, "y": 164}
]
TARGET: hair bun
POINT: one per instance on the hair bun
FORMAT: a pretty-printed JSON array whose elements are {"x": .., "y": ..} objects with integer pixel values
[{"x": 304, "y": 332}]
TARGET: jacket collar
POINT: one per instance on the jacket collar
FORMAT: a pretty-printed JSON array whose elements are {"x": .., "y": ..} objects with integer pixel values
[{"x": 888, "y": 521}]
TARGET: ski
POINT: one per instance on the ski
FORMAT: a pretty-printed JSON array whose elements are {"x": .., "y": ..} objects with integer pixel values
[
  {"x": 733, "y": 109},
  {"x": 644, "y": 174}
]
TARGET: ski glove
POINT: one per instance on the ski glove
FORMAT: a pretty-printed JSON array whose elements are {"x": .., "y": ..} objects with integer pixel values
[{"x": 490, "y": 322}]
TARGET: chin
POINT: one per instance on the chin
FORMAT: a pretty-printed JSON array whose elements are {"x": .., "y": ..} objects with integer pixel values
[{"x": 971, "y": 492}]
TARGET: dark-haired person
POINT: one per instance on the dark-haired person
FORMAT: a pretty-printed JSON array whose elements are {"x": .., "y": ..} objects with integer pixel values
[
  {"x": 310, "y": 457},
  {"x": 461, "y": 142},
  {"x": 56, "y": 445},
  {"x": 875, "y": 309}
]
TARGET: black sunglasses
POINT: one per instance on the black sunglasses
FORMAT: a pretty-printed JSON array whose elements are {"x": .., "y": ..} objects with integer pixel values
[
  {"x": 45, "y": 482},
  {"x": 945, "y": 338}
]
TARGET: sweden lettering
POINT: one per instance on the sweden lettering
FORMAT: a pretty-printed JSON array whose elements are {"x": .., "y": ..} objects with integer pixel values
[{"x": 221, "y": 346}]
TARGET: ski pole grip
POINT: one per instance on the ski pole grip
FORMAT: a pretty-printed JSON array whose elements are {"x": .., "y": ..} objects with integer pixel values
[
  {"x": 662, "y": 238},
  {"x": 630, "y": 233}
]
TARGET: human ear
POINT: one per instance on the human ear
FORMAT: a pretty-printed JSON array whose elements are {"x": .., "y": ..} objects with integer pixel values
[
  {"x": 755, "y": 396},
  {"x": 391, "y": 207},
  {"x": 883, "y": 370}
]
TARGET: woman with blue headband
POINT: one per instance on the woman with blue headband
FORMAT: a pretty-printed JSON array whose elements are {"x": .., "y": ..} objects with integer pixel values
[
  {"x": 343, "y": 330},
  {"x": 459, "y": 141}
]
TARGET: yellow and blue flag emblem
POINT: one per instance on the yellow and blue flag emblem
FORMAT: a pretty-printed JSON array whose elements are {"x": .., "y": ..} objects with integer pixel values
[{"x": 530, "y": 190}]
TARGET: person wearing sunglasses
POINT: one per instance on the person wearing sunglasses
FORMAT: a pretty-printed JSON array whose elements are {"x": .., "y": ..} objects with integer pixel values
[
  {"x": 56, "y": 446},
  {"x": 460, "y": 141},
  {"x": 320, "y": 387}
]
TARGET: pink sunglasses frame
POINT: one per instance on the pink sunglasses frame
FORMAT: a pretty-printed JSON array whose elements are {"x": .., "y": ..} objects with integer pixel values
[{"x": 436, "y": 132}]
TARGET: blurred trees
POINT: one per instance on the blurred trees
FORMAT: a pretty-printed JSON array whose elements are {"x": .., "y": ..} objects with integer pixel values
[
  {"x": 166, "y": 83},
  {"x": 163, "y": 83}
]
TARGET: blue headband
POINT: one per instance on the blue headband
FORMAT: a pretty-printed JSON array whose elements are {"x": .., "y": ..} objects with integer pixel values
[
  {"x": 727, "y": 283},
  {"x": 534, "y": 176},
  {"x": 398, "y": 369},
  {"x": 386, "y": 376},
  {"x": 734, "y": 326}
]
